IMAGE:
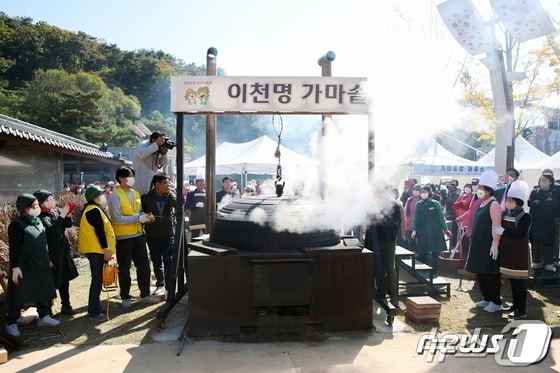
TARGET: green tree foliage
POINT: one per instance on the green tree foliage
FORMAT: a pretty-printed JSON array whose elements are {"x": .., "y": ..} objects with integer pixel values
[
  {"x": 80, "y": 105},
  {"x": 82, "y": 86}
]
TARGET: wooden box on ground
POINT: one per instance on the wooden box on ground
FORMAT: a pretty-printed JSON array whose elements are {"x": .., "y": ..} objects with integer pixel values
[{"x": 422, "y": 309}]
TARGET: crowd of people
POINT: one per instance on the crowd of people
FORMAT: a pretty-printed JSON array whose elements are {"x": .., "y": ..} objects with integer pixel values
[
  {"x": 132, "y": 219},
  {"x": 507, "y": 228},
  {"x": 123, "y": 222},
  {"x": 128, "y": 221}
]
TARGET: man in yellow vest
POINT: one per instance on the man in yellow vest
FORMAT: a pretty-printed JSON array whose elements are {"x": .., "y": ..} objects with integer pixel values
[{"x": 127, "y": 218}]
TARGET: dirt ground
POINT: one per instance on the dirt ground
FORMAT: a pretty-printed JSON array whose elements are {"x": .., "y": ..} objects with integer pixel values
[
  {"x": 139, "y": 324},
  {"x": 459, "y": 312}
]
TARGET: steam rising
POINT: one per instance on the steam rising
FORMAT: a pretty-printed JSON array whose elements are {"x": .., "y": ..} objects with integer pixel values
[
  {"x": 413, "y": 94},
  {"x": 410, "y": 103}
]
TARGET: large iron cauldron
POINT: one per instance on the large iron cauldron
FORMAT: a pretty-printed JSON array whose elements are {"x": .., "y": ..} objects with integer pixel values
[{"x": 272, "y": 224}]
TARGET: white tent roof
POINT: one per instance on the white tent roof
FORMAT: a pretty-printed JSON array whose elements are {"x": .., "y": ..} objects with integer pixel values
[
  {"x": 256, "y": 156},
  {"x": 429, "y": 158},
  {"x": 551, "y": 162},
  {"x": 526, "y": 156}
]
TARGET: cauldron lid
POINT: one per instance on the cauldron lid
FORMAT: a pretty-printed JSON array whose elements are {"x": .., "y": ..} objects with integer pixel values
[{"x": 272, "y": 224}]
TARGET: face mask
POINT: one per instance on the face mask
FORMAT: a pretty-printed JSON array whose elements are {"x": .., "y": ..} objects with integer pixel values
[
  {"x": 416, "y": 193},
  {"x": 49, "y": 205},
  {"x": 34, "y": 212},
  {"x": 511, "y": 205},
  {"x": 66, "y": 189},
  {"x": 130, "y": 181},
  {"x": 544, "y": 185},
  {"x": 424, "y": 195},
  {"x": 480, "y": 193},
  {"x": 510, "y": 179},
  {"x": 468, "y": 190}
]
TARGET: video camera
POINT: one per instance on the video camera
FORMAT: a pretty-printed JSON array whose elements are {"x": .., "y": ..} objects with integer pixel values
[{"x": 168, "y": 143}]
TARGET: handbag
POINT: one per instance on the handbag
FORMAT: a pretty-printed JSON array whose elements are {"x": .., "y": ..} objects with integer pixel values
[{"x": 110, "y": 276}]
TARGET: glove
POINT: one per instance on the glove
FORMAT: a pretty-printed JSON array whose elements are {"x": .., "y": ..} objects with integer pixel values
[
  {"x": 200, "y": 204},
  {"x": 413, "y": 235},
  {"x": 71, "y": 207},
  {"x": 498, "y": 230},
  {"x": 143, "y": 219},
  {"x": 65, "y": 211},
  {"x": 494, "y": 252},
  {"x": 16, "y": 275}
]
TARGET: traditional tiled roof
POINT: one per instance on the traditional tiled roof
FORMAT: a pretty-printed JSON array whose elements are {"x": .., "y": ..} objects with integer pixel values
[{"x": 31, "y": 132}]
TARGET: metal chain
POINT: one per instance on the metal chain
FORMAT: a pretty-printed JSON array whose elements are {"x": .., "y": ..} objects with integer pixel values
[{"x": 278, "y": 183}]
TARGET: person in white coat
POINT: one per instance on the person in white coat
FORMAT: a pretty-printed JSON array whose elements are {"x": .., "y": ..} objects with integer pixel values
[{"x": 150, "y": 156}]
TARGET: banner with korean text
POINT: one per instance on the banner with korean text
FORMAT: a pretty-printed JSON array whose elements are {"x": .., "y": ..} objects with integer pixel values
[{"x": 296, "y": 95}]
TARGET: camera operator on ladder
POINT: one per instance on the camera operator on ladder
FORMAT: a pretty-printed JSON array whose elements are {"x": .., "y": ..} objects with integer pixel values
[{"x": 150, "y": 156}]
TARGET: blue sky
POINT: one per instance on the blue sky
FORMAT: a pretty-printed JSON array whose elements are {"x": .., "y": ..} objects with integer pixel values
[{"x": 253, "y": 37}]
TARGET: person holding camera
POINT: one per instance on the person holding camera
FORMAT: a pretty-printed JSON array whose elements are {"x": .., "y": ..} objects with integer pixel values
[{"x": 150, "y": 156}]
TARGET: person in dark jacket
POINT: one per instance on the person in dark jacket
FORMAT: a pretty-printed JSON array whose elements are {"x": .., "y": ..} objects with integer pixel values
[
  {"x": 31, "y": 279},
  {"x": 544, "y": 206},
  {"x": 391, "y": 226},
  {"x": 380, "y": 237},
  {"x": 55, "y": 222},
  {"x": 226, "y": 193},
  {"x": 428, "y": 228},
  {"x": 161, "y": 202},
  {"x": 195, "y": 205},
  {"x": 514, "y": 247}
]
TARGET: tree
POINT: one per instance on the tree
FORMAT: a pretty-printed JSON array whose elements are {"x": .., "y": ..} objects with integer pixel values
[{"x": 79, "y": 105}]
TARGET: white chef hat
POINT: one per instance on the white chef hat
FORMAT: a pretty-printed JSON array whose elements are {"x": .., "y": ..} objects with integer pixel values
[
  {"x": 200, "y": 174},
  {"x": 488, "y": 178},
  {"x": 518, "y": 189}
]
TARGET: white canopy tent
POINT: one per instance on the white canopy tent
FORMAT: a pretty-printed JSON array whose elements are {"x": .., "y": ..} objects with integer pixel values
[
  {"x": 526, "y": 156},
  {"x": 256, "y": 156},
  {"x": 429, "y": 158},
  {"x": 551, "y": 162}
]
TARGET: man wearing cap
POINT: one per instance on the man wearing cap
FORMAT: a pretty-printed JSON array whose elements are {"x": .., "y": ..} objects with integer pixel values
[
  {"x": 485, "y": 239},
  {"x": 55, "y": 222},
  {"x": 31, "y": 279},
  {"x": 195, "y": 207},
  {"x": 150, "y": 156},
  {"x": 97, "y": 242}
]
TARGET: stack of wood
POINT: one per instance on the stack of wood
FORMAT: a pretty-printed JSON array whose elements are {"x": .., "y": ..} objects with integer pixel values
[{"x": 422, "y": 309}]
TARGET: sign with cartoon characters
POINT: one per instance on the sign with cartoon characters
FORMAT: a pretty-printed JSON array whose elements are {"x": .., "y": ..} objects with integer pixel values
[{"x": 224, "y": 94}]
